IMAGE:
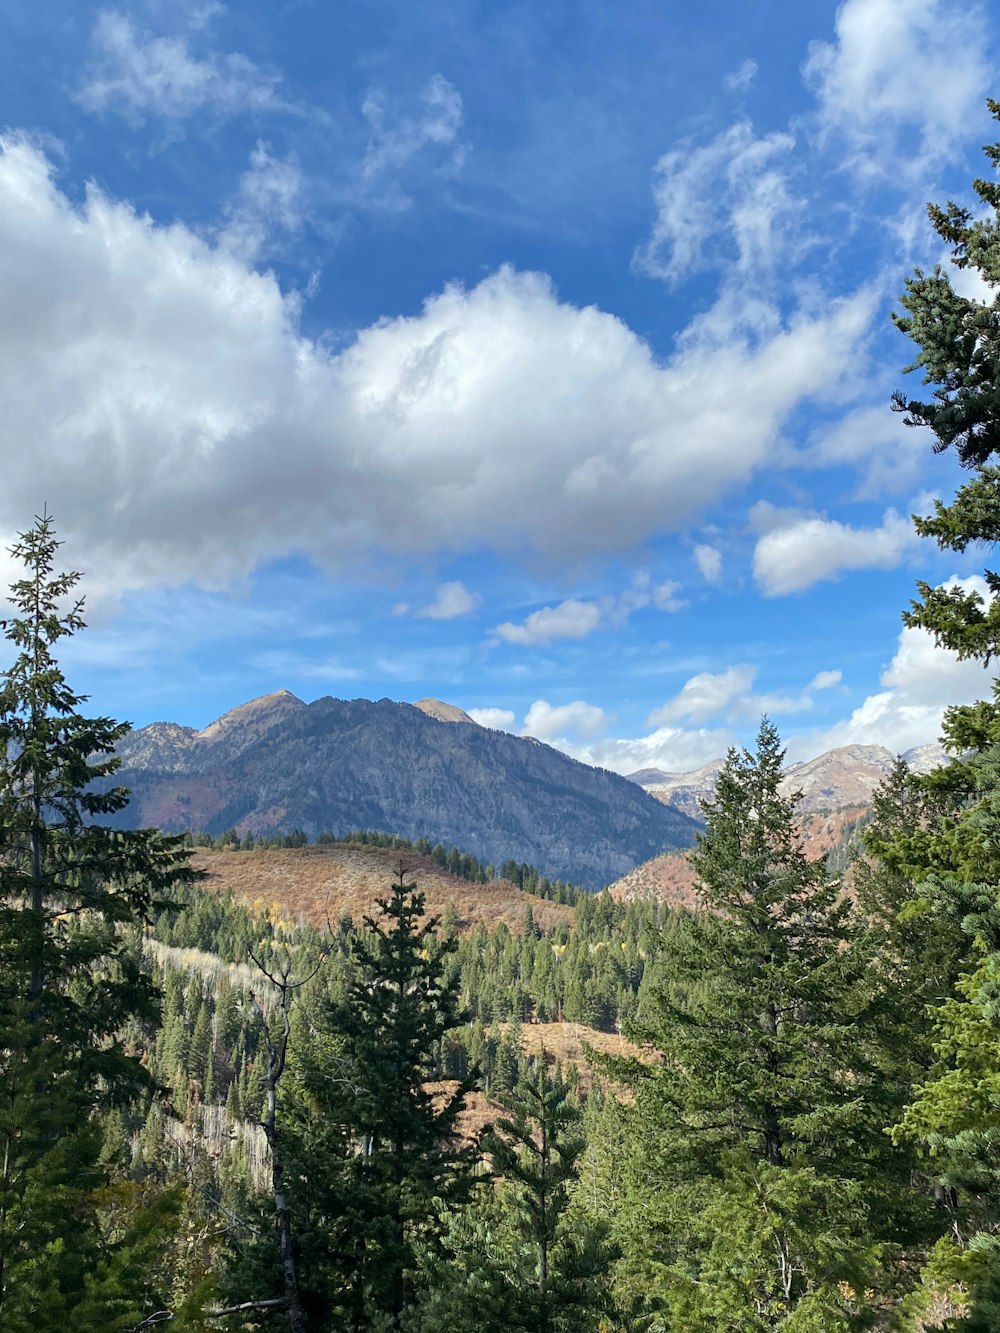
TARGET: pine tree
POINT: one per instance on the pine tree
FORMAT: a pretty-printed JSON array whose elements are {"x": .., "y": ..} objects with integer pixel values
[
  {"x": 375, "y": 1159},
  {"x": 760, "y": 1184},
  {"x": 527, "y": 1258},
  {"x": 557, "y": 1261},
  {"x": 948, "y": 857},
  {"x": 71, "y": 889},
  {"x": 958, "y": 341}
]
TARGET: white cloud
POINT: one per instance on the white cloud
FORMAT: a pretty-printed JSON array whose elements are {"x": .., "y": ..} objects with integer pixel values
[
  {"x": 727, "y": 198},
  {"x": 806, "y": 550},
  {"x": 451, "y": 600},
  {"x": 873, "y": 442},
  {"x": 664, "y": 596},
  {"x": 269, "y": 201},
  {"x": 740, "y": 79},
  {"x": 396, "y": 138},
  {"x": 569, "y": 620},
  {"x": 897, "y": 65},
  {"x": 705, "y": 695},
  {"x": 578, "y": 728},
  {"x": 187, "y": 430},
  {"x": 135, "y": 74},
  {"x": 670, "y": 748},
  {"x": 574, "y": 619},
  {"x": 709, "y": 562},
  {"x": 729, "y": 694},
  {"x": 500, "y": 719},
  {"x": 550, "y": 722},
  {"x": 922, "y": 680},
  {"x": 825, "y": 680}
]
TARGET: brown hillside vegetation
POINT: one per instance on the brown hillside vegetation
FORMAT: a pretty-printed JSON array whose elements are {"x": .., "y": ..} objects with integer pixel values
[
  {"x": 321, "y": 883},
  {"x": 671, "y": 879}
]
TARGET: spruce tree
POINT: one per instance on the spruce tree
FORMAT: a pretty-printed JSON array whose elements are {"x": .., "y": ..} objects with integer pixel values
[
  {"x": 72, "y": 894},
  {"x": 958, "y": 342},
  {"x": 760, "y": 1185},
  {"x": 528, "y": 1258},
  {"x": 375, "y": 1160},
  {"x": 557, "y": 1261},
  {"x": 949, "y": 855}
]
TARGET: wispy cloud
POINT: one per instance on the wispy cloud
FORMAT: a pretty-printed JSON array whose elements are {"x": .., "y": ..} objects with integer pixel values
[
  {"x": 136, "y": 74},
  {"x": 398, "y": 137},
  {"x": 268, "y": 204},
  {"x": 740, "y": 79},
  {"x": 727, "y": 203}
]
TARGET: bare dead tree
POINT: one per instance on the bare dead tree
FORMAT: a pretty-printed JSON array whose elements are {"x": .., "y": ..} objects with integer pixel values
[{"x": 276, "y": 1049}]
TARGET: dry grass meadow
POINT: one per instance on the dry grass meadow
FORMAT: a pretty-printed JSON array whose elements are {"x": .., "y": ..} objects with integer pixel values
[{"x": 323, "y": 883}]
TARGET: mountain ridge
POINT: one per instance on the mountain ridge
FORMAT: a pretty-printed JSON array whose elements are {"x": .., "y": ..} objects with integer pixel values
[
  {"x": 276, "y": 764},
  {"x": 844, "y": 776}
]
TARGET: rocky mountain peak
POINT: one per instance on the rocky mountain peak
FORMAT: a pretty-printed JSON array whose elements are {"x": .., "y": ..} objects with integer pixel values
[
  {"x": 257, "y": 714},
  {"x": 442, "y": 712},
  {"x": 845, "y": 776}
]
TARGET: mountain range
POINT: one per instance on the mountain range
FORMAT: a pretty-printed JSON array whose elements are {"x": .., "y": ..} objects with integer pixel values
[
  {"x": 846, "y": 776},
  {"x": 429, "y": 770},
  {"x": 276, "y": 764}
]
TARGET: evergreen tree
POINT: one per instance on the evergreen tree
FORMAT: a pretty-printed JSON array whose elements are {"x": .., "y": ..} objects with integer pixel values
[
  {"x": 527, "y": 1259},
  {"x": 375, "y": 1160},
  {"x": 557, "y": 1261},
  {"x": 949, "y": 856},
  {"x": 70, "y": 971},
  {"x": 760, "y": 1185},
  {"x": 958, "y": 341}
]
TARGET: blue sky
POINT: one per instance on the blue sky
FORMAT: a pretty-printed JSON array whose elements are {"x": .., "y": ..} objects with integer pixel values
[{"x": 536, "y": 358}]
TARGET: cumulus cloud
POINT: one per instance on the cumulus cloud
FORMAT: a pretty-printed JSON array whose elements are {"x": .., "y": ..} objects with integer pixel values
[
  {"x": 709, "y": 562},
  {"x": 451, "y": 601},
  {"x": 136, "y": 74},
  {"x": 728, "y": 199},
  {"x": 187, "y": 430},
  {"x": 397, "y": 137},
  {"x": 578, "y": 729},
  {"x": 500, "y": 719},
  {"x": 901, "y": 65},
  {"x": 569, "y": 620},
  {"x": 921, "y": 681},
  {"x": 673, "y": 749},
  {"x": 574, "y": 619},
  {"x": 729, "y": 694},
  {"x": 805, "y": 550},
  {"x": 549, "y": 722}
]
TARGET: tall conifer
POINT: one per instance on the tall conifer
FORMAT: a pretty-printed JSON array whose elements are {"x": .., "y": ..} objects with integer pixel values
[
  {"x": 760, "y": 1186},
  {"x": 71, "y": 890}
]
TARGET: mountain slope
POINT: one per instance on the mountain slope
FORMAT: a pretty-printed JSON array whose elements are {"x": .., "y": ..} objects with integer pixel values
[
  {"x": 276, "y": 764},
  {"x": 322, "y": 884},
  {"x": 670, "y": 878}
]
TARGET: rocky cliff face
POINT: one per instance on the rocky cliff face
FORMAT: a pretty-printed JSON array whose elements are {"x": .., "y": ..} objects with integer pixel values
[{"x": 276, "y": 764}]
